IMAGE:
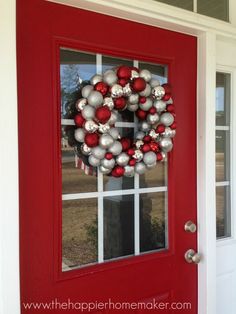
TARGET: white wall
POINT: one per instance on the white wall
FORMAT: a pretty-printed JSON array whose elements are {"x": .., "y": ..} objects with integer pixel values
[{"x": 9, "y": 223}]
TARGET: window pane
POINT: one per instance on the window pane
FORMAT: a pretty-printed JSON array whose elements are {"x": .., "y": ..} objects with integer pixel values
[
  {"x": 214, "y": 8},
  {"x": 156, "y": 177},
  {"x": 153, "y": 224},
  {"x": 223, "y": 214},
  {"x": 222, "y": 99},
  {"x": 79, "y": 233},
  {"x": 222, "y": 156},
  {"x": 110, "y": 62},
  {"x": 184, "y": 4},
  {"x": 118, "y": 226},
  {"x": 75, "y": 70}
]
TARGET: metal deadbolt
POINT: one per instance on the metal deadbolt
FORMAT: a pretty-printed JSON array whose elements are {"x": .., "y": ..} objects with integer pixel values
[
  {"x": 192, "y": 257},
  {"x": 190, "y": 226}
]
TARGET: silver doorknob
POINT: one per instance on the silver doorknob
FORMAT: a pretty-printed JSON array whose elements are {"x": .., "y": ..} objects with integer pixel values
[
  {"x": 192, "y": 257},
  {"x": 190, "y": 226}
]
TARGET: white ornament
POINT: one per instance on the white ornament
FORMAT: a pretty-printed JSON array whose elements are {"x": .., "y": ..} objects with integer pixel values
[
  {"x": 147, "y": 105},
  {"x": 116, "y": 91},
  {"x": 106, "y": 140},
  {"x": 167, "y": 119},
  {"x": 145, "y": 74},
  {"x": 86, "y": 90},
  {"x": 79, "y": 135},
  {"x": 95, "y": 99},
  {"x": 93, "y": 161},
  {"x": 88, "y": 112},
  {"x": 116, "y": 148}
]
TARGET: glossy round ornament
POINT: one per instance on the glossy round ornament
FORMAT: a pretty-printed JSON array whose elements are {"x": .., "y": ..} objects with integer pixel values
[
  {"x": 85, "y": 149},
  {"x": 86, "y": 90},
  {"x": 93, "y": 161},
  {"x": 103, "y": 128},
  {"x": 149, "y": 158},
  {"x": 88, "y": 112},
  {"x": 146, "y": 105},
  {"x": 79, "y": 120},
  {"x": 114, "y": 132},
  {"x": 127, "y": 91},
  {"x": 116, "y": 91},
  {"x": 108, "y": 163},
  {"x": 145, "y": 74},
  {"x": 115, "y": 148},
  {"x": 103, "y": 114},
  {"x": 153, "y": 118},
  {"x": 95, "y": 79},
  {"x": 91, "y": 139},
  {"x": 80, "y": 104},
  {"x": 146, "y": 92},
  {"x": 118, "y": 171},
  {"x": 110, "y": 77},
  {"x": 106, "y": 140},
  {"x": 102, "y": 88},
  {"x": 98, "y": 152},
  {"x": 166, "y": 144},
  {"x": 79, "y": 135},
  {"x": 90, "y": 126},
  {"x": 140, "y": 168},
  {"x": 158, "y": 92},
  {"x": 104, "y": 170},
  {"x": 167, "y": 119},
  {"x": 138, "y": 84},
  {"x": 122, "y": 159},
  {"x": 108, "y": 101},
  {"x": 95, "y": 99},
  {"x": 129, "y": 171},
  {"x": 160, "y": 105}
]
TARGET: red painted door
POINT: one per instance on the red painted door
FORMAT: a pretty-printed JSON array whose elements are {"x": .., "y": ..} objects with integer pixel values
[{"x": 85, "y": 238}]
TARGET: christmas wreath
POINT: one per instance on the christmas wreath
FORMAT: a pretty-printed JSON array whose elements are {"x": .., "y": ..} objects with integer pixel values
[{"x": 116, "y": 90}]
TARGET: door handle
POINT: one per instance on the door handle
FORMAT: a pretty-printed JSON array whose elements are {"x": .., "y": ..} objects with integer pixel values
[
  {"x": 190, "y": 226},
  {"x": 192, "y": 257}
]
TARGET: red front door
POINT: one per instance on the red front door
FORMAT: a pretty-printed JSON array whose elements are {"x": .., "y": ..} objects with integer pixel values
[{"x": 85, "y": 237}]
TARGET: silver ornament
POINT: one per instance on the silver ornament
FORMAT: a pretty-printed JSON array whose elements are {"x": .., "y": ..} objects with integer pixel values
[
  {"x": 96, "y": 79},
  {"x": 168, "y": 132},
  {"x": 108, "y": 102},
  {"x": 153, "y": 134},
  {"x": 152, "y": 118},
  {"x": 149, "y": 158},
  {"x": 147, "y": 105},
  {"x": 166, "y": 144},
  {"x": 167, "y": 119},
  {"x": 122, "y": 159},
  {"x": 144, "y": 126},
  {"x": 139, "y": 143},
  {"x": 88, "y": 112},
  {"x": 90, "y": 126},
  {"x": 133, "y": 99},
  {"x": 114, "y": 133},
  {"x": 139, "y": 135},
  {"x": 85, "y": 149},
  {"x": 158, "y": 92},
  {"x": 98, "y": 152},
  {"x": 134, "y": 74},
  {"x": 127, "y": 91},
  {"x": 163, "y": 156},
  {"x": 154, "y": 82},
  {"x": 79, "y": 135},
  {"x": 160, "y": 105},
  {"x": 103, "y": 128},
  {"x": 109, "y": 164},
  {"x": 80, "y": 104},
  {"x": 106, "y": 140},
  {"x": 113, "y": 118},
  {"x": 145, "y": 74},
  {"x": 140, "y": 168},
  {"x": 110, "y": 77},
  {"x": 104, "y": 170},
  {"x": 129, "y": 171},
  {"x": 95, "y": 99},
  {"x": 147, "y": 91},
  {"x": 93, "y": 161},
  {"x": 169, "y": 101},
  {"x": 86, "y": 90},
  {"x": 138, "y": 155},
  {"x": 132, "y": 108},
  {"x": 116, "y": 91},
  {"x": 115, "y": 148}
]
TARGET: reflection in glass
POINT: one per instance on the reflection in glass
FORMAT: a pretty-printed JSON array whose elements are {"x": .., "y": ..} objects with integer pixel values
[
  {"x": 110, "y": 62},
  {"x": 118, "y": 226},
  {"x": 76, "y": 69},
  {"x": 222, "y": 99},
  {"x": 184, "y": 4},
  {"x": 153, "y": 224},
  {"x": 218, "y": 9},
  {"x": 79, "y": 232},
  {"x": 222, "y": 156},
  {"x": 157, "y": 176},
  {"x": 223, "y": 214}
]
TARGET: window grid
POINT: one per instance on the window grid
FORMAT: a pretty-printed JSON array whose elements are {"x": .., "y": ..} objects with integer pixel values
[{"x": 100, "y": 194}]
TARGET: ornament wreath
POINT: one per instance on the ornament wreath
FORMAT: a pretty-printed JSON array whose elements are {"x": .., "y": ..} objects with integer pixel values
[{"x": 120, "y": 89}]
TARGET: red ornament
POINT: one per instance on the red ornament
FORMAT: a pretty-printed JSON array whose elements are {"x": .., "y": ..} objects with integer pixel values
[
  {"x": 91, "y": 139},
  {"x": 173, "y": 126},
  {"x": 138, "y": 84},
  {"x": 166, "y": 97},
  {"x": 118, "y": 171},
  {"x": 145, "y": 148},
  {"x": 152, "y": 110},
  {"x": 102, "y": 88},
  {"x": 170, "y": 108},
  {"x": 154, "y": 147},
  {"x": 142, "y": 99},
  {"x": 79, "y": 120},
  {"x": 124, "y": 72},
  {"x": 132, "y": 162},
  {"x": 160, "y": 128},
  {"x": 167, "y": 88},
  {"x": 123, "y": 82},
  {"x": 159, "y": 157},
  {"x": 126, "y": 143},
  {"x": 130, "y": 152},
  {"x": 120, "y": 103},
  {"x": 147, "y": 138},
  {"x": 103, "y": 114},
  {"x": 109, "y": 156},
  {"x": 141, "y": 114}
]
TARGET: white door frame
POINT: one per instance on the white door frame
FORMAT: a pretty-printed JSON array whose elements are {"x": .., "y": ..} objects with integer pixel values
[{"x": 147, "y": 12}]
